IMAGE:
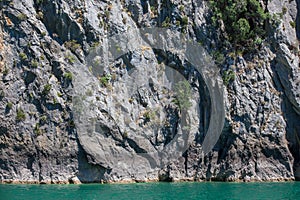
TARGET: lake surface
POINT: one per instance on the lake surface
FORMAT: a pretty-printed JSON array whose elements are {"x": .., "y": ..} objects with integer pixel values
[{"x": 290, "y": 190}]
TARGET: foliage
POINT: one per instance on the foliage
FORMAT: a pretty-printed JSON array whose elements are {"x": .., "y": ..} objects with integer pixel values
[
  {"x": 181, "y": 8},
  {"x": 185, "y": 21},
  {"x": 9, "y": 105},
  {"x": 39, "y": 1},
  {"x": 20, "y": 115},
  {"x": 242, "y": 27},
  {"x": 5, "y": 71},
  {"x": 40, "y": 15},
  {"x": 70, "y": 58},
  {"x": 23, "y": 56},
  {"x": 293, "y": 24},
  {"x": 105, "y": 79},
  {"x": 166, "y": 23},
  {"x": 34, "y": 63},
  {"x": 37, "y": 129},
  {"x": 68, "y": 76},
  {"x": 22, "y": 16},
  {"x": 72, "y": 45},
  {"x": 149, "y": 114},
  {"x": 228, "y": 76},
  {"x": 218, "y": 57},
  {"x": 43, "y": 119},
  {"x": 244, "y": 20},
  {"x": 183, "y": 95},
  {"x": 2, "y": 94},
  {"x": 46, "y": 89}
]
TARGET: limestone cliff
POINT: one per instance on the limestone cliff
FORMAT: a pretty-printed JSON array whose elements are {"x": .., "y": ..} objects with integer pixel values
[{"x": 71, "y": 111}]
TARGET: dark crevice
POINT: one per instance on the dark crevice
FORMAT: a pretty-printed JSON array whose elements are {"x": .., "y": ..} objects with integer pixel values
[
  {"x": 292, "y": 120},
  {"x": 135, "y": 146},
  {"x": 88, "y": 172},
  {"x": 298, "y": 20}
]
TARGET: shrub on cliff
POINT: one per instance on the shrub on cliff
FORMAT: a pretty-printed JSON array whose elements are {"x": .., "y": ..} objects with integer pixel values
[
  {"x": 243, "y": 20},
  {"x": 183, "y": 95}
]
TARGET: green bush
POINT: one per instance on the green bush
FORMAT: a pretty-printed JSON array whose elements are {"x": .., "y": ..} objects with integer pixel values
[
  {"x": 243, "y": 19},
  {"x": 242, "y": 28}
]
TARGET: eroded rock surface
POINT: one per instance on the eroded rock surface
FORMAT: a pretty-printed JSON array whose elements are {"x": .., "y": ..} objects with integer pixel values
[{"x": 69, "y": 114}]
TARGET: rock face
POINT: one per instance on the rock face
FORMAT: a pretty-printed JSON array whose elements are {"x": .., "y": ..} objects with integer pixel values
[{"x": 85, "y": 96}]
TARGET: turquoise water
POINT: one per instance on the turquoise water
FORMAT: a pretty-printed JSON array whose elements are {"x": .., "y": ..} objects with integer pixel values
[{"x": 148, "y": 191}]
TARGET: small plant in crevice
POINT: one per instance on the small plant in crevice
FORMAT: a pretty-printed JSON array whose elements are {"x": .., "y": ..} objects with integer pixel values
[
  {"x": 293, "y": 24},
  {"x": 185, "y": 21},
  {"x": 72, "y": 45},
  {"x": 39, "y": 2},
  {"x": 34, "y": 64},
  {"x": 104, "y": 80},
  {"x": 149, "y": 115},
  {"x": 71, "y": 124},
  {"x": 228, "y": 76},
  {"x": 20, "y": 115},
  {"x": 68, "y": 76},
  {"x": 166, "y": 22},
  {"x": 70, "y": 58},
  {"x": 40, "y": 15},
  {"x": 23, "y": 56},
  {"x": 43, "y": 119},
  {"x": 46, "y": 89},
  {"x": 37, "y": 129},
  {"x": 183, "y": 92},
  {"x": 107, "y": 15},
  {"x": 22, "y": 17},
  {"x": 43, "y": 34},
  {"x": 125, "y": 134},
  {"x": 9, "y": 106},
  {"x": 5, "y": 71},
  {"x": 218, "y": 57},
  {"x": 181, "y": 8},
  {"x": 2, "y": 94},
  {"x": 154, "y": 11}
]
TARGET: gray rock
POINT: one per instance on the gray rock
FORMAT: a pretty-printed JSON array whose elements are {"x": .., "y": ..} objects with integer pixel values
[{"x": 62, "y": 128}]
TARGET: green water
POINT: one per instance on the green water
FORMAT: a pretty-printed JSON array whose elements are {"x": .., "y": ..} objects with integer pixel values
[{"x": 148, "y": 191}]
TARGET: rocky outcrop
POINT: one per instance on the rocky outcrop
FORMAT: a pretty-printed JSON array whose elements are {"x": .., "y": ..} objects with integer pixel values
[{"x": 86, "y": 95}]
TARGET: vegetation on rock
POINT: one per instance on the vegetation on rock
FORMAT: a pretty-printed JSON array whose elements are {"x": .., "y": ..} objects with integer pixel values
[
  {"x": 244, "y": 20},
  {"x": 20, "y": 115},
  {"x": 183, "y": 95}
]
